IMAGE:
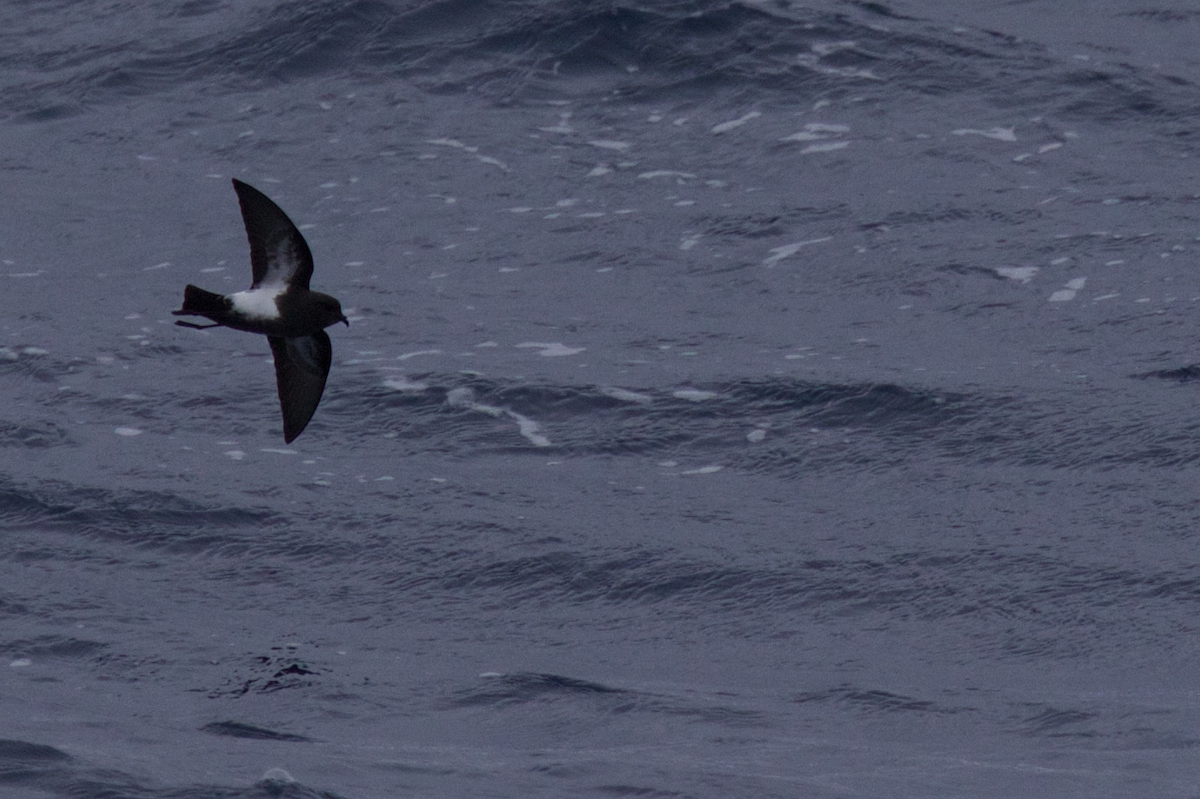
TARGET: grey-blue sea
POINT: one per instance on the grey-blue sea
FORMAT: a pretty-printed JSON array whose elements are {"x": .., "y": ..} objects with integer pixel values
[{"x": 742, "y": 399}]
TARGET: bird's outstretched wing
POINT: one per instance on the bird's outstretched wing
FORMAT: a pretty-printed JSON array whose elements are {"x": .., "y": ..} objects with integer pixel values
[
  {"x": 279, "y": 255},
  {"x": 301, "y": 366}
]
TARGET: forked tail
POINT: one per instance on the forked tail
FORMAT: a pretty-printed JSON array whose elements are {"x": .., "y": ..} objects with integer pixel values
[{"x": 198, "y": 302}]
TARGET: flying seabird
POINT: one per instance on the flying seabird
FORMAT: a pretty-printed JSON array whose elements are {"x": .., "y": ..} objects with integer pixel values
[{"x": 278, "y": 305}]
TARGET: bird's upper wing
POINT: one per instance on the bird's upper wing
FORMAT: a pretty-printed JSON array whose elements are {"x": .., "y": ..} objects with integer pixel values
[
  {"x": 279, "y": 255},
  {"x": 301, "y": 366}
]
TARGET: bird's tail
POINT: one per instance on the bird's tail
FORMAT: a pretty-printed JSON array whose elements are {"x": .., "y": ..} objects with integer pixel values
[{"x": 199, "y": 302}]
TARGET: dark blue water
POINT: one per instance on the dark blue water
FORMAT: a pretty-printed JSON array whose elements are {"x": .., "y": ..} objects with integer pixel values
[{"x": 741, "y": 399}]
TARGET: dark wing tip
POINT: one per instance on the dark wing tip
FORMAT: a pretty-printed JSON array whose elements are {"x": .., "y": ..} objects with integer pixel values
[
  {"x": 248, "y": 194},
  {"x": 301, "y": 368}
]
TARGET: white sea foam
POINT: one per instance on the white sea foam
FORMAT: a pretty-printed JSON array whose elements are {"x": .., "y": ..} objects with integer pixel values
[
  {"x": 999, "y": 134},
  {"x": 825, "y": 147},
  {"x": 777, "y": 254},
  {"x": 551, "y": 349},
  {"x": 530, "y": 429},
  {"x": 489, "y": 160},
  {"x": 627, "y": 396},
  {"x": 608, "y": 144},
  {"x": 734, "y": 123},
  {"x": 1021, "y": 273},
  {"x": 693, "y": 394},
  {"x": 1068, "y": 293},
  {"x": 401, "y": 383},
  {"x": 464, "y": 397},
  {"x": 666, "y": 173},
  {"x": 277, "y": 775},
  {"x": 407, "y": 355}
]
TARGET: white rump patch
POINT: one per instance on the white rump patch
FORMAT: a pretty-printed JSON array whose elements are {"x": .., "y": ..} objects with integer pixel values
[{"x": 257, "y": 303}]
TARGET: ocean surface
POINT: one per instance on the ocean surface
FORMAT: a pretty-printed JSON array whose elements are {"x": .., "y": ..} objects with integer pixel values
[{"x": 741, "y": 399}]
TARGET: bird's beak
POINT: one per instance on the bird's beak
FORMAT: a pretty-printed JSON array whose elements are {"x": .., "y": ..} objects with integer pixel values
[{"x": 345, "y": 321}]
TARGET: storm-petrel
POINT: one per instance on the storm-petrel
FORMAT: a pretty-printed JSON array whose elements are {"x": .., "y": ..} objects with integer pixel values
[{"x": 279, "y": 305}]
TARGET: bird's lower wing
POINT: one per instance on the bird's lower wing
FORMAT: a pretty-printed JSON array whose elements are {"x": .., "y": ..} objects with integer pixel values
[{"x": 301, "y": 367}]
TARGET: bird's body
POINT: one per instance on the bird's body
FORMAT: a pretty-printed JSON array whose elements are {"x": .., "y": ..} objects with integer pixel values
[{"x": 278, "y": 305}]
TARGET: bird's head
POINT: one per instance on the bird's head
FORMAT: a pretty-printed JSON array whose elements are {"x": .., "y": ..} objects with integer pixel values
[{"x": 330, "y": 311}]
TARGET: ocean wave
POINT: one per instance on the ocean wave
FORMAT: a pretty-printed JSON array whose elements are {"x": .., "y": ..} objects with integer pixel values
[{"x": 745, "y": 53}]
